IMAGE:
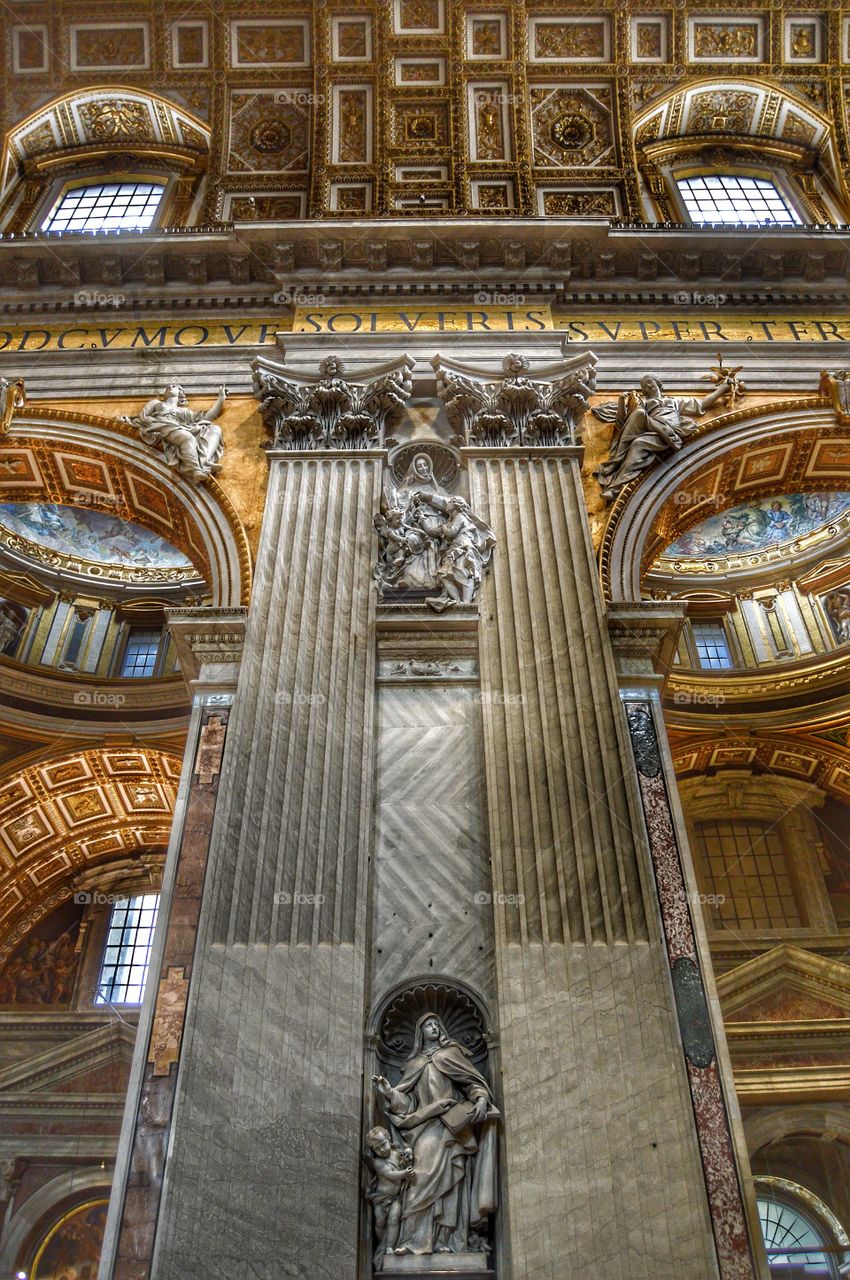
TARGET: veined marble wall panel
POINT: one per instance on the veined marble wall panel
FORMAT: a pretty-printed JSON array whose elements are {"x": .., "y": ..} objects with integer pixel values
[
  {"x": 264, "y": 1175},
  {"x": 432, "y": 903},
  {"x": 602, "y": 1168}
]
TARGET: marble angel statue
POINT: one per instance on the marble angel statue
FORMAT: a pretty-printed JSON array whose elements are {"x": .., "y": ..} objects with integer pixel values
[
  {"x": 189, "y": 438},
  {"x": 649, "y": 425}
]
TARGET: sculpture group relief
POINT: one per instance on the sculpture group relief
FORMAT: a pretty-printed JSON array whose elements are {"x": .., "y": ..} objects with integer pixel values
[{"x": 430, "y": 541}]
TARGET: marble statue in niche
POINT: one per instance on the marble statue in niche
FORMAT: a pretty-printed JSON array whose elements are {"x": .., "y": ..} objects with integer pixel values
[
  {"x": 649, "y": 425},
  {"x": 430, "y": 541},
  {"x": 189, "y": 438},
  {"x": 435, "y": 1203}
]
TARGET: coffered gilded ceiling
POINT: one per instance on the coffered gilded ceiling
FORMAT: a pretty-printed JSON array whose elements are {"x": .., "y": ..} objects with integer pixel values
[
  {"x": 64, "y": 815},
  {"x": 402, "y": 107}
]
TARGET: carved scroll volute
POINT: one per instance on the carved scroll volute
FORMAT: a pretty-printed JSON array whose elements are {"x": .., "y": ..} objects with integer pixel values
[
  {"x": 835, "y": 387},
  {"x": 514, "y": 409},
  {"x": 328, "y": 410}
]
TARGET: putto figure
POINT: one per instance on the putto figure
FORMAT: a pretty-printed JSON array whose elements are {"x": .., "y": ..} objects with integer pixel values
[
  {"x": 189, "y": 438},
  {"x": 444, "y": 1109},
  {"x": 392, "y": 1169},
  {"x": 650, "y": 425},
  {"x": 431, "y": 541}
]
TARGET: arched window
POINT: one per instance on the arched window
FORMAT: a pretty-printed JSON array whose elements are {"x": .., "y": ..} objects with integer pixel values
[
  {"x": 126, "y": 958},
  {"x": 735, "y": 152},
  {"x": 104, "y": 158},
  {"x": 731, "y": 198},
  {"x": 798, "y": 1248},
  {"x": 105, "y": 206}
]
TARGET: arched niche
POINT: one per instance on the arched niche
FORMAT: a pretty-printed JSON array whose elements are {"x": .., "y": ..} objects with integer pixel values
[
  {"x": 398, "y": 1047},
  {"x": 48, "y": 1206}
]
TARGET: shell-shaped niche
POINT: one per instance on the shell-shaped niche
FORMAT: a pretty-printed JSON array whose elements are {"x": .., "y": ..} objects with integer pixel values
[{"x": 460, "y": 1014}]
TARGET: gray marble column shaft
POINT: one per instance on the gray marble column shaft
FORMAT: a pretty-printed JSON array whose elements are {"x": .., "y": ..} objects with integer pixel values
[
  {"x": 602, "y": 1167},
  {"x": 263, "y": 1178}
]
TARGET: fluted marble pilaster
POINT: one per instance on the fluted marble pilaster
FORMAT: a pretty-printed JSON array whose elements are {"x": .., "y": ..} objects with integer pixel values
[
  {"x": 603, "y": 1174},
  {"x": 264, "y": 1175}
]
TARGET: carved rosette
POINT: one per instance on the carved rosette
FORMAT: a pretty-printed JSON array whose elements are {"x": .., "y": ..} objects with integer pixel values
[
  {"x": 516, "y": 410},
  {"x": 330, "y": 411}
]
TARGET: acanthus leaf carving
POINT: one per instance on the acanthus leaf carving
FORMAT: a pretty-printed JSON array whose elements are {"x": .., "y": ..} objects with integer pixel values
[
  {"x": 331, "y": 411},
  {"x": 516, "y": 410}
]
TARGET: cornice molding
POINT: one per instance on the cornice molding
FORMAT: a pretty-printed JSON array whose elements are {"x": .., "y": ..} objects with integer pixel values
[{"x": 197, "y": 267}]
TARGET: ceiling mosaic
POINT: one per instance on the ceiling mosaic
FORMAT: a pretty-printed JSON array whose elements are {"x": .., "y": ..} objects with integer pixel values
[
  {"x": 409, "y": 106},
  {"x": 773, "y": 521},
  {"x": 91, "y": 535}
]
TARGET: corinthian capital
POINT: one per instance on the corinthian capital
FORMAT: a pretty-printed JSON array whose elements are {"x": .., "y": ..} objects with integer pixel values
[
  {"x": 514, "y": 409},
  {"x": 328, "y": 410}
]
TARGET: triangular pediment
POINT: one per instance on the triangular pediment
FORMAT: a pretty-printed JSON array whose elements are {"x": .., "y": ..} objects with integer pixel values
[
  {"x": 84, "y": 1063},
  {"x": 785, "y": 984}
]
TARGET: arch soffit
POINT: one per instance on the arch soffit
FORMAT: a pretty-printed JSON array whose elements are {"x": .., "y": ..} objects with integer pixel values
[
  {"x": 747, "y": 106},
  {"x": 818, "y": 763},
  {"x": 106, "y": 117},
  {"x": 78, "y": 459},
  {"x": 748, "y": 453},
  {"x": 61, "y": 816},
  {"x": 766, "y": 1125}
]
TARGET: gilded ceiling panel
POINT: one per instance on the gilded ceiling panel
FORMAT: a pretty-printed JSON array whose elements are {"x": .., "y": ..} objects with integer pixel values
[{"x": 416, "y": 105}]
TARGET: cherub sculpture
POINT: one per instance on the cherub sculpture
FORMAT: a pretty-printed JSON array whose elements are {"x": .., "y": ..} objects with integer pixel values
[{"x": 392, "y": 1170}]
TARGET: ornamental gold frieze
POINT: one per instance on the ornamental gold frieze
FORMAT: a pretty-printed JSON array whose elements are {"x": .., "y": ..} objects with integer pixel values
[
  {"x": 781, "y": 756},
  {"x": 133, "y": 575}
]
